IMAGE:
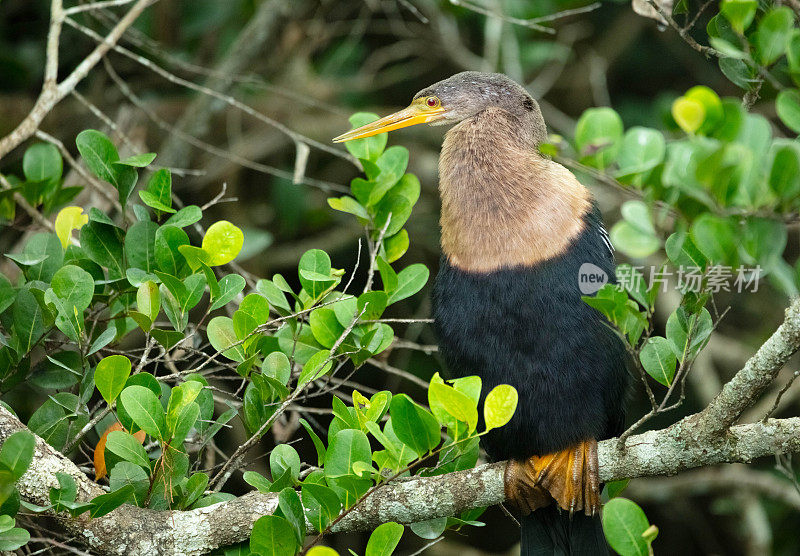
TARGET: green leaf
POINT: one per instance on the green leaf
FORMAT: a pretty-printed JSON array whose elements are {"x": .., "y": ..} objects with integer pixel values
[
  {"x": 500, "y": 405},
  {"x": 739, "y": 12},
  {"x": 624, "y": 523},
  {"x": 716, "y": 237},
  {"x": 230, "y": 286},
  {"x": 597, "y": 136},
  {"x": 346, "y": 448},
  {"x": 787, "y": 104},
  {"x": 125, "y": 446},
  {"x": 368, "y": 148},
  {"x": 318, "y": 445},
  {"x": 784, "y": 170},
  {"x": 126, "y": 473},
  {"x": 222, "y": 242},
  {"x": 148, "y": 300},
  {"x": 274, "y": 295},
  {"x": 659, "y": 360},
  {"x": 409, "y": 281},
  {"x": 100, "y": 154},
  {"x": 42, "y": 162},
  {"x": 772, "y": 36},
  {"x": 181, "y": 397},
  {"x": 414, "y": 427},
  {"x": 349, "y": 205},
  {"x": 167, "y": 338},
  {"x": 273, "y": 536},
  {"x": 47, "y": 249},
  {"x": 195, "y": 487},
  {"x": 370, "y": 305},
  {"x": 321, "y": 503},
  {"x": 74, "y": 285},
  {"x": 325, "y": 326},
  {"x": 28, "y": 320},
  {"x": 396, "y": 246},
  {"x": 222, "y": 336},
  {"x": 110, "y": 376},
  {"x": 17, "y": 453},
  {"x": 455, "y": 403},
  {"x": 679, "y": 326},
  {"x": 615, "y": 488},
  {"x": 688, "y": 113},
  {"x": 292, "y": 509},
  {"x": 642, "y": 149},
  {"x": 168, "y": 257},
  {"x": 14, "y": 538},
  {"x": 106, "y": 503},
  {"x": 159, "y": 191},
  {"x": 300, "y": 348},
  {"x": 392, "y": 165},
  {"x": 187, "y": 216},
  {"x": 102, "y": 340},
  {"x": 140, "y": 244},
  {"x": 315, "y": 367},
  {"x": 276, "y": 365},
  {"x": 103, "y": 244},
  {"x": 138, "y": 160},
  {"x": 146, "y": 411},
  {"x": 257, "y": 480},
  {"x": 384, "y": 539},
  {"x": 631, "y": 241},
  {"x": 314, "y": 271}
]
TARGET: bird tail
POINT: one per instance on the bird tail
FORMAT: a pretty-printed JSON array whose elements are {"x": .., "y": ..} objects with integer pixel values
[{"x": 550, "y": 531}]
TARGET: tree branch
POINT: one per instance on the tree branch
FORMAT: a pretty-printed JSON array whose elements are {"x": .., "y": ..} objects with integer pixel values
[{"x": 131, "y": 530}]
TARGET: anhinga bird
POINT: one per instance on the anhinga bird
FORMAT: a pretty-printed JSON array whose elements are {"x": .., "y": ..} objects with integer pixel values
[{"x": 516, "y": 228}]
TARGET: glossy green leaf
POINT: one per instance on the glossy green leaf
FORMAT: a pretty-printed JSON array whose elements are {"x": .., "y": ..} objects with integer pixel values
[
  {"x": 384, "y": 539},
  {"x": 659, "y": 360},
  {"x": 414, "y": 426},
  {"x": 409, "y": 281},
  {"x": 642, "y": 149},
  {"x": 597, "y": 136},
  {"x": 455, "y": 403},
  {"x": 110, "y": 376},
  {"x": 788, "y": 107},
  {"x": 346, "y": 448},
  {"x": 42, "y": 162},
  {"x": 772, "y": 36},
  {"x": 222, "y": 242},
  {"x": 140, "y": 244},
  {"x": 739, "y": 12},
  {"x": 17, "y": 453},
  {"x": 222, "y": 336},
  {"x": 126, "y": 447},
  {"x": 624, "y": 523},
  {"x": 325, "y": 326},
  {"x": 146, "y": 410},
  {"x": 499, "y": 406},
  {"x": 100, "y": 154}
]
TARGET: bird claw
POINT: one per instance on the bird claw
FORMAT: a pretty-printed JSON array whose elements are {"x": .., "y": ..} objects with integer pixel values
[{"x": 570, "y": 477}]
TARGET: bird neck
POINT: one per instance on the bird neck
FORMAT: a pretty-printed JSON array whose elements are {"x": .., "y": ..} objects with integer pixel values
[{"x": 503, "y": 204}]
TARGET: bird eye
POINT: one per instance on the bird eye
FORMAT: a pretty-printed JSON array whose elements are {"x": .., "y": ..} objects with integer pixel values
[{"x": 432, "y": 102}]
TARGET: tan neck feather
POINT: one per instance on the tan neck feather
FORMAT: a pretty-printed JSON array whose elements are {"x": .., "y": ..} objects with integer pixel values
[{"x": 504, "y": 205}]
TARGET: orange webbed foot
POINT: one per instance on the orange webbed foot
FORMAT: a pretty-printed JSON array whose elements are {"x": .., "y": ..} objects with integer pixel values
[{"x": 570, "y": 477}]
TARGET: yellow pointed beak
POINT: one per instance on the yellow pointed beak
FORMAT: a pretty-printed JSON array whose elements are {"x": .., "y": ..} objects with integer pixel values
[{"x": 415, "y": 114}]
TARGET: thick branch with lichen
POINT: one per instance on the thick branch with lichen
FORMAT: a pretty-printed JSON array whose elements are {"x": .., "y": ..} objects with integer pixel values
[{"x": 131, "y": 530}]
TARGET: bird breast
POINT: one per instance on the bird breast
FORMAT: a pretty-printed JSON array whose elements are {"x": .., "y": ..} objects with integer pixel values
[{"x": 503, "y": 204}]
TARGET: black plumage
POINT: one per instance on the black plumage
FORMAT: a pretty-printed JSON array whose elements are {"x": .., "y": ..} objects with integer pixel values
[{"x": 529, "y": 327}]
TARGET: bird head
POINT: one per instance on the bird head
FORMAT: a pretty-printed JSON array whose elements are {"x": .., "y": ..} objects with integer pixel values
[{"x": 459, "y": 97}]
